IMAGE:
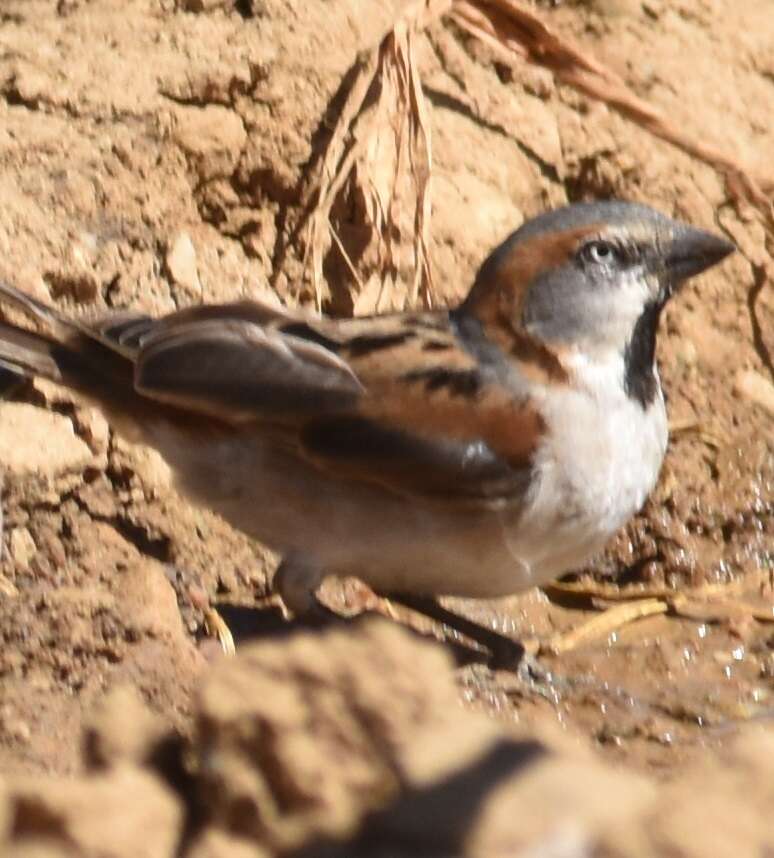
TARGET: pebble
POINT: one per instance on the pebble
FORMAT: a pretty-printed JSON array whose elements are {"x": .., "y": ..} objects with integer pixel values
[
  {"x": 753, "y": 387},
  {"x": 34, "y": 441},
  {"x": 22, "y": 547},
  {"x": 181, "y": 262}
]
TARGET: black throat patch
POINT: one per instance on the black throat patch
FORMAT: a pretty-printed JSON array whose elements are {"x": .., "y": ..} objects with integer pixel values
[{"x": 639, "y": 356}]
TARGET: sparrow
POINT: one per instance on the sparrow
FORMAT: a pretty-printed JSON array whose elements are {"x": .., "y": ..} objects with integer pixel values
[{"x": 474, "y": 451}]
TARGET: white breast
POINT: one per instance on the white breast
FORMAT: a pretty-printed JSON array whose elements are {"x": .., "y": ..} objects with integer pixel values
[{"x": 600, "y": 462}]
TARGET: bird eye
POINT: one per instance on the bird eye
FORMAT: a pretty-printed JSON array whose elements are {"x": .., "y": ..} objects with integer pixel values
[{"x": 599, "y": 252}]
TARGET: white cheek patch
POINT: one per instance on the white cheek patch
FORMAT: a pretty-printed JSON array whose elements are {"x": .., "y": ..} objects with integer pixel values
[
  {"x": 612, "y": 312},
  {"x": 633, "y": 293}
]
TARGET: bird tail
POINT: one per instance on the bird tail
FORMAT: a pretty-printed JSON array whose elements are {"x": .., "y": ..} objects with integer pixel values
[
  {"x": 28, "y": 354},
  {"x": 64, "y": 351}
]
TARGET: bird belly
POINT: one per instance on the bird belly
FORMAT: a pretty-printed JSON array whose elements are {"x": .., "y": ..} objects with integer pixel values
[
  {"x": 590, "y": 476},
  {"x": 345, "y": 527}
]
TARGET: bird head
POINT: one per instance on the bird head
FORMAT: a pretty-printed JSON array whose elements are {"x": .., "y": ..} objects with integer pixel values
[{"x": 590, "y": 279}]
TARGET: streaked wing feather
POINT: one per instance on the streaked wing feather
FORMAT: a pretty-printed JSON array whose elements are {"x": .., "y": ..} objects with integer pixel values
[
  {"x": 128, "y": 331},
  {"x": 396, "y": 402},
  {"x": 409, "y": 465},
  {"x": 25, "y": 353},
  {"x": 434, "y": 421},
  {"x": 123, "y": 331},
  {"x": 257, "y": 312},
  {"x": 10, "y": 378},
  {"x": 242, "y": 372},
  {"x": 399, "y": 401}
]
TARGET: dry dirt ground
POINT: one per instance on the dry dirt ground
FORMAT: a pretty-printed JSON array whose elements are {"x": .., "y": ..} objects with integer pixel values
[{"x": 153, "y": 154}]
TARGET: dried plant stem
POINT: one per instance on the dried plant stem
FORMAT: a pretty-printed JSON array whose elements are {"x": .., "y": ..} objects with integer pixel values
[
  {"x": 508, "y": 28},
  {"x": 604, "y": 624},
  {"x": 386, "y": 98}
]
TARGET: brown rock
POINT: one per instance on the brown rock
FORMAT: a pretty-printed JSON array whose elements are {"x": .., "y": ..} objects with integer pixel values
[
  {"x": 181, "y": 263},
  {"x": 378, "y": 702},
  {"x": 148, "y": 600},
  {"x": 352, "y": 743},
  {"x": 211, "y": 129},
  {"x": 755, "y": 388},
  {"x": 151, "y": 469},
  {"x": 358, "y": 736},
  {"x": 121, "y": 730},
  {"x": 39, "y": 442},
  {"x": 122, "y": 814},
  {"x": 215, "y": 843},
  {"x": 21, "y": 547},
  {"x": 721, "y": 807}
]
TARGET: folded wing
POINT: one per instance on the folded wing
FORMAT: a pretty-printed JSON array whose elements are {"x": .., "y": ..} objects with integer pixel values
[{"x": 393, "y": 400}]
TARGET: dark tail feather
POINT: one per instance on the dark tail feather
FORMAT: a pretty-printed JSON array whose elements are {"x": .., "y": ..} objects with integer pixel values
[
  {"x": 9, "y": 381},
  {"x": 69, "y": 353},
  {"x": 26, "y": 353},
  {"x": 49, "y": 316}
]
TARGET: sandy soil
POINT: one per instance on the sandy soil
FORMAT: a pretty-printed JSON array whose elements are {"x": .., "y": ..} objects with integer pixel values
[{"x": 153, "y": 154}]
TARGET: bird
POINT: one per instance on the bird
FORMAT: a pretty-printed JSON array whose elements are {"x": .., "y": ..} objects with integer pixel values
[{"x": 476, "y": 451}]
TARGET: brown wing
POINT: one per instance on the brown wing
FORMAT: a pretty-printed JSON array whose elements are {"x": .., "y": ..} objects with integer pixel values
[{"x": 396, "y": 400}]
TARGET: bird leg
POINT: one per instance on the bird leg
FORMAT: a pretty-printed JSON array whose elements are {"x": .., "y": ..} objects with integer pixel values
[
  {"x": 296, "y": 580},
  {"x": 506, "y": 652}
]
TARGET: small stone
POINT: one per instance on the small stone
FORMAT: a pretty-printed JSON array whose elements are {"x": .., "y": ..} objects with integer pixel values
[
  {"x": 753, "y": 387},
  {"x": 687, "y": 353},
  {"x": 39, "y": 442},
  {"x": 22, "y": 547},
  {"x": 181, "y": 263},
  {"x": 207, "y": 130}
]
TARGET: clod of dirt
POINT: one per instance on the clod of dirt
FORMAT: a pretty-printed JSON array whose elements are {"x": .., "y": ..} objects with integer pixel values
[
  {"x": 122, "y": 729},
  {"x": 37, "y": 442},
  {"x": 214, "y": 135},
  {"x": 721, "y": 807},
  {"x": 121, "y": 814},
  {"x": 218, "y": 844},
  {"x": 352, "y": 743},
  {"x": 272, "y": 723},
  {"x": 148, "y": 598}
]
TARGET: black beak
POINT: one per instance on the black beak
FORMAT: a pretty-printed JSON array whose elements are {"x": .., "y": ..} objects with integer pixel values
[{"x": 692, "y": 251}]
